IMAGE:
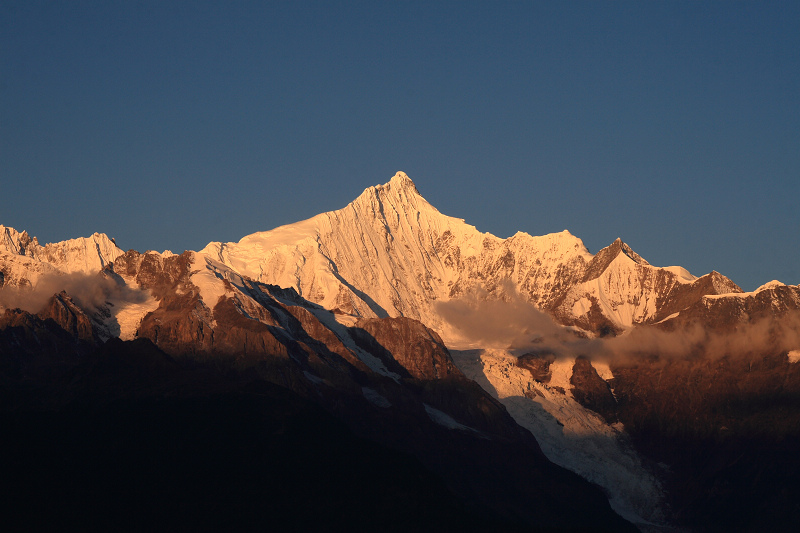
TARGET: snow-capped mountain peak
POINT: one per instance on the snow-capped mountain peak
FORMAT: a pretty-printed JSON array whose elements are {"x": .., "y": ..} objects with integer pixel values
[
  {"x": 401, "y": 181},
  {"x": 603, "y": 259},
  {"x": 391, "y": 253},
  {"x": 398, "y": 195}
]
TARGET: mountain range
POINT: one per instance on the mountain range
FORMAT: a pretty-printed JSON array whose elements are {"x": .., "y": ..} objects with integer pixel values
[{"x": 497, "y": 384}]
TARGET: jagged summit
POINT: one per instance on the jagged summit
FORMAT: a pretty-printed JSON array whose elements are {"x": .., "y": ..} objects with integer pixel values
[
  {"x": 630, "y": 253},
  {"x": 721, "y": 283},
  {"x": 398, "y": 185},
  {"x": 15, "y": 242},
  {"x": 377, "y": 256},
  {"x": 398, "y": 198},
  {"x": 401, "y": 179},
  {"x": 618, "y": 247}
]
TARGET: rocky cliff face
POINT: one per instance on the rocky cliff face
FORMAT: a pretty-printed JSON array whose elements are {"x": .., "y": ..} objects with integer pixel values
[
  {"x": 419, "y": 350},
  {"x": 63, "y": 310}
]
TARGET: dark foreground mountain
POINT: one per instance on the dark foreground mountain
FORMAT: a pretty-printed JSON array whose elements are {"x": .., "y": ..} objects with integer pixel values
[
  {"x": 724, "y": 412},
  {"x": 246, "y": 455},
  {"x": 726, "y": 433},
  {"x": 243, "y": 426}
]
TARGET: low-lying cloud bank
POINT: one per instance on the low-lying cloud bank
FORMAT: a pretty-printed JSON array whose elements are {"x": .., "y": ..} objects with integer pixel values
[
  {"x": 514, "y": 323},
  {"x": 89, "y": 291},
  {"x": 491, "y": 322}
]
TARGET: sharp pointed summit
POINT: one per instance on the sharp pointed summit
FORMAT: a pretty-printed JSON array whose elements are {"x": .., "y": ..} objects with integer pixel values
[
  {"x": 399, "y": 185},
  {"x": 397, "y": 199},
  {"x": 401, "y": 179}
]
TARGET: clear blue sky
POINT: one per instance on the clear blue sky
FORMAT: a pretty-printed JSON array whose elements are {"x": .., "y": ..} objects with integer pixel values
[{"x": 673, "y": 125}]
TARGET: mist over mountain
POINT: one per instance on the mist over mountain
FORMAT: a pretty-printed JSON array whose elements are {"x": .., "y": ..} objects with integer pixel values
[{"x": 539, "y": 384}]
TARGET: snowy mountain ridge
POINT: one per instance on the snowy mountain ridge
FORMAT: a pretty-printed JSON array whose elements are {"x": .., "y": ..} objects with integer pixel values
[
  {"x": 23, "y": 261},
  {"x": 84, "y": 254},
  {"x": 391, "y": 253}
]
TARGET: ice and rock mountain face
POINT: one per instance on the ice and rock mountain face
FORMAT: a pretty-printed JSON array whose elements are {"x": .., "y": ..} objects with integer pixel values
[
  {"x": 391, "y": 253},
  {"x": 570, "y": 435},
  {"x": 382, "y": 255},
  {"x": 23, "y": 261},
  {"x": 30, "y": 274},
  {"x": 724, "y": 313},
  {"x": 85, "y": 254},
  {"x": 620, "y": 289}
]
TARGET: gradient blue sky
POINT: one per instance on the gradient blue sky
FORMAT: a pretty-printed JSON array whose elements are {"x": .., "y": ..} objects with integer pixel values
[{"x": 673, "y": 125}]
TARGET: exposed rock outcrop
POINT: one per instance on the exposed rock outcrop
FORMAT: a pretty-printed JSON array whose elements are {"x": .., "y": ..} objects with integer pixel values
[
  {"x": 63, "y": 310},
  {"x": 591, "y": 391},
  {"x": 418, "y": 350}
]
